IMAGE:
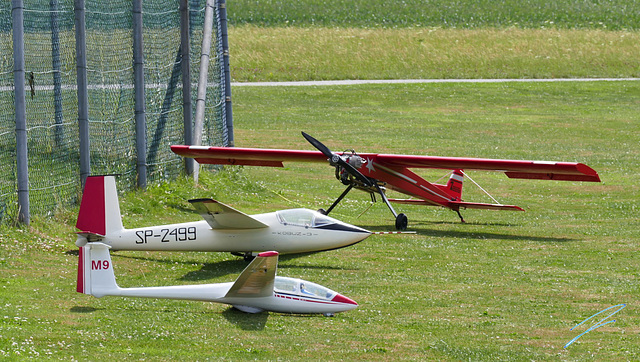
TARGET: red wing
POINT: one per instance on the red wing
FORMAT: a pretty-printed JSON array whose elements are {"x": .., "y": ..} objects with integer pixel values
[
  {"x": 540, "y": 170},
  {"x": 247, "y": 156}
]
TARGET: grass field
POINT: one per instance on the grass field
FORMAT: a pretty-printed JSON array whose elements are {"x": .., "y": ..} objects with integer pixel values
[
  {"x": 504, "y": 286},
  {"x": 374, "y": 39},
  {"x": 304, "y": 53},
  {"x": 566, "y": 14}
]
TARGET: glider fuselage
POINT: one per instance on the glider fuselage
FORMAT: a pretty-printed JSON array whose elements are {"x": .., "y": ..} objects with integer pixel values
[
  {"x": 199, "y": 236},
  {"x": 277, "y": 302},
  {"x": 255, "y": 290}
]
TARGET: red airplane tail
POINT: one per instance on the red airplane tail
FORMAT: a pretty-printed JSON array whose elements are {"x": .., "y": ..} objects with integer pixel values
[
  {"x": 453, "y": 188},
  {"x": 99, "y": 213}
]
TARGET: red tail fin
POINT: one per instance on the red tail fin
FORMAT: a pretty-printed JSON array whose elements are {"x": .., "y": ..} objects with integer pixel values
[
  {"x": 91, "y": 217},
  {"x": 99, "y": 209},
  {"x": 454, "y": 186}
]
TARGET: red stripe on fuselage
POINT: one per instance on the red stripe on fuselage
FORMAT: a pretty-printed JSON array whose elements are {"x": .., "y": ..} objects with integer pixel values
[{"x": 343, "y": 300}]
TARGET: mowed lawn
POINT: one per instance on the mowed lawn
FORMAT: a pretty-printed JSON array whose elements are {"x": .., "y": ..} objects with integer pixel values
[{"x": 503, "y": 286}]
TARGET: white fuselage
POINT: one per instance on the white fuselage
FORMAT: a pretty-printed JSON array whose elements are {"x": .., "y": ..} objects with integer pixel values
[
  {"x": 279, "y": 301},
  {"x": 199, "y": 236}
]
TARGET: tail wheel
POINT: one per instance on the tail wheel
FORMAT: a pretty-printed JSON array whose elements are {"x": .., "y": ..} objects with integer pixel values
[{"x": 401, "y": 222}]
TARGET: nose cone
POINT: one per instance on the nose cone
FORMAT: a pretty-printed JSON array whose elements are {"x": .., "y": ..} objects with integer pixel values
[
  {"x": 343, "y": 226},
  {"x": 348, "y": 234},
  {"x": 348, "y": 303},
  {"x": 329, "y": 223},
  {"x": 357, "y": 229}
]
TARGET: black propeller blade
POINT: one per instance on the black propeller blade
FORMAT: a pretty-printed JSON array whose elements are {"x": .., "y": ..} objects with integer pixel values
[
  {"x": 337, "y": 160},
  {"x": 317, "y": 144}
]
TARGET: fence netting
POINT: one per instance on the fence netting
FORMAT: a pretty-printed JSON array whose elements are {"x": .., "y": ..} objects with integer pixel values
[{"x": 52, "y": 102}]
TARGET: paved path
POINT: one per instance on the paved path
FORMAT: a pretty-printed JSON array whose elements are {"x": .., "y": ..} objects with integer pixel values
[{"x": 325, "y": 82}]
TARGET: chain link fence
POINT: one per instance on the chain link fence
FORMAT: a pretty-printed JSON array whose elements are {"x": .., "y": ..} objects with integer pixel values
[{"x": 52, "y": 100}]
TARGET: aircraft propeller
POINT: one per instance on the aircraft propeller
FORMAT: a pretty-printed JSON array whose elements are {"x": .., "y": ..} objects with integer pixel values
[
  {"x": 337, "y": 160},
  {"x": 369, "y": 184}
]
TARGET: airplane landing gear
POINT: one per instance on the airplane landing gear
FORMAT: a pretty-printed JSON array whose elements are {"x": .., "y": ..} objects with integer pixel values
[
  {"x": 401, "y": 222},
  {"x": 248, "y": 256}
]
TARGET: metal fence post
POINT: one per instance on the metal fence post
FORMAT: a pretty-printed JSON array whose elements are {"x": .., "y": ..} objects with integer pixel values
[
  {"x": 227, "y": 74},
  {"x": 22, "y": 160},
  {"x": 83, "y": 98},
  {"x": 201, "y": 99},
  {"x": 187, "y": 110},
  {"x": 57, "y": 81},
  {"x": 138, "y": 76}
]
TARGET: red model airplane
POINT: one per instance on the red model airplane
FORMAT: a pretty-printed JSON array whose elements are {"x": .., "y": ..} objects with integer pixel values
[{"x": 373, "y": 173}]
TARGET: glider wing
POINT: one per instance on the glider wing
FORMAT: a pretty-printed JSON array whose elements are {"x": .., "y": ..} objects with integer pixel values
[
  {"x": 221, "y": 216},
  {"x": 257, "y": 279}
]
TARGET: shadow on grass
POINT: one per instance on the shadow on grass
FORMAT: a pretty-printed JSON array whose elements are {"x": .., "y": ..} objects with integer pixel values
[
  {"x": 246, "y": 321},
  {"x": 495, "y": 236},
  {"x": 257, "y": 321},
  {"x": 222, "y": 268},
  {"x": 421, "y": 228},
  {"x": 80, "y": 309},
  {"x": 218, "y": 269}
]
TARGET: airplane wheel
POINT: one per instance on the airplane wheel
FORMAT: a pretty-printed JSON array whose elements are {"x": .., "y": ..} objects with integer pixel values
[
  {"x": 401, "y": 222},
  {"x": 322, "y": 211}
]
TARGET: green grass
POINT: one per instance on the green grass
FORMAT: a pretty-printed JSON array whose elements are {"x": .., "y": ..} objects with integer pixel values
[
  {"x": 319, "y": 40},
  {"x": 504, "y": 286},
  {"x": 314, "y": 53},
  {"x": 616, "y": 14}
]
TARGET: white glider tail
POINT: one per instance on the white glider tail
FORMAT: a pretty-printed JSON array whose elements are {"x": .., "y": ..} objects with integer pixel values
[
  {"x": 255, "y": 290},
  {"x": 95, "y": 271}
]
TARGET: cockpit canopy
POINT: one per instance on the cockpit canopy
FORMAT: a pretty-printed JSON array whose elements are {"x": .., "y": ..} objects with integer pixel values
[
  {"x": 302, "y": 288},
  {"x": 303, "y": 217}
]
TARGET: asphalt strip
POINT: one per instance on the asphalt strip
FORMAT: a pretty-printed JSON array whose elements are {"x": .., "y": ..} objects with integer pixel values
[{"x": 410, "y": 81}]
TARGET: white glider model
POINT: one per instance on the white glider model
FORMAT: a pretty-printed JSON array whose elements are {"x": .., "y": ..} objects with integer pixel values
[
  {"x": 257, "y": 289},
  {"x": 223, "y": 229}
]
